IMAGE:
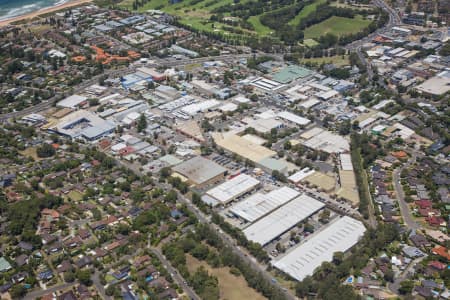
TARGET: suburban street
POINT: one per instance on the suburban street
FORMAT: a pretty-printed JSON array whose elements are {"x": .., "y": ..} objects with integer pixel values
[
  {"x": 37, "y": 294},
  {"x": 175, "y": 275},
  {"x": 404, "y": 207},
  {"x": 393, "y": 287}
]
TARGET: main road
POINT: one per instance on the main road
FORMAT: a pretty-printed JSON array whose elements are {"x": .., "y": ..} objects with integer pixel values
[{"x": 394, "y": 20}]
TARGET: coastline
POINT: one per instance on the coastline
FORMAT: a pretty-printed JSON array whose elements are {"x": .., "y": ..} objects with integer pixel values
[{"x": 43, "y": 11}]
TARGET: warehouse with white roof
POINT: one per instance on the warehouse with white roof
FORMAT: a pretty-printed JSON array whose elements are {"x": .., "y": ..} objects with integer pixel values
[
  {"x": 73, "y": 101},
  {"x": 339, "y": 236},
  {"x": 288, "y": 116},
  {"x": 300, "y": 175},
  {"x": 199, "y": 107},
  {"x": 281, "y": 220},
  {"x": 259, "y": 204},
  {"x": 233, "y": 188}
]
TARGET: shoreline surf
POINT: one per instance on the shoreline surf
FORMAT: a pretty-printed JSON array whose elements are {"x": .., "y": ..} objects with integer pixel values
[{"x": 44, "y": 10}]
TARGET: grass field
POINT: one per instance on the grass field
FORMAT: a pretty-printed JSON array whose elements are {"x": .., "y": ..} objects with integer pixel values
[
  {"x": 337, "y": 60},
  {"x": 336, "y": 25},
  {"x": 194, "y": 15},
  {"x": 259, "y": 28},
  {"x": 231, "y": 287},
  {"x": 197, "y": 15},
  {"x": 75, "y": 196},
  {"x": 310, "y": 43},
  {"x": 31, "y": 151},
  {"x": 306, "y": 11}
]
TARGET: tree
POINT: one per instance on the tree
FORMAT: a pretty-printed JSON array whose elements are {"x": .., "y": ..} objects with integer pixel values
[
  {"x": 84, "y": 276},
  {"x": 344, "y": 127},
  {"x": 287, "y": 145},
  {"x": 324, "y": 216},
  {"x": 308, "y": 228},
  {"x": 389, "y": 275},
  {"x": 338, "y": 257},
  {"x": 110, "y": 290},
  {"x": 18, "y": 291},
  {"x": 279, "y": 176},
  {"x": 445, "y": 50},
  {"x": 46, "y": 150},
  {"x": 406, "y": 287},
  {"x": 142, "y": 123},
  {"x": 69, "y": 276}
]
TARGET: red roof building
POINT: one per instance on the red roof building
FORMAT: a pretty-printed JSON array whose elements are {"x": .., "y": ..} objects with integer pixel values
[
  {"x": 424, "y": 203},
  {"x": 435, "y": 221},
  {"x": 437, "y": 265},
  {"x": 441, "y": 251}
]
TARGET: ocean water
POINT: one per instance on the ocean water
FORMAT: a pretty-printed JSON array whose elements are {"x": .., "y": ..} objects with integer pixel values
[{"x": 14, "y": 8}]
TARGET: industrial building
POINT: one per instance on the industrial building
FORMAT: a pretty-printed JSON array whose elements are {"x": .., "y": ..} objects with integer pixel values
[
  {"x": 259, "y": 204},
  {"x": 300, "y": 175},
  {"x": 199, "y": 107},
  {"x": 233, "y": 188},
  {"x": 288, "y": 116},
  {"x": 242, "y": 147},
  {"x": 82, "y": 124},
  {"x": 339, "y": 236},
  {"x": 282, "y": 219},
  {"x": 290, "y": 73},
  {"x": 73, "y": 101},
  {"x": 320, "y": 139},
  {"x": 266, "y": 84},
  {"x": 437, "y": 85},
  {"x": 200, "y": 171}
]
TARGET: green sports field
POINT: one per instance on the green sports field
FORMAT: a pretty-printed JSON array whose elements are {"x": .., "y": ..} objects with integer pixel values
[{"x": 336, "y": 25}]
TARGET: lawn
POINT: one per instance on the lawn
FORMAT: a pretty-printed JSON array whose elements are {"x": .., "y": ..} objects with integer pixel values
[
  {"x": 231, "y": 287},
  {"x": 259, "y": 28},
  {"x": 75, "y": 196},
  {"x": 109, "y": 278},
  {"x": 310, "y": 43},
  {"x": 306, "y": 11},
  {"x": 338, "y": 26}
]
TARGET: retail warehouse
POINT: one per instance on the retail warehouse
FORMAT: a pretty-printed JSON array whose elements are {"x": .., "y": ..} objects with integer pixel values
[
  {"x": 339, "y": 236},
  {"x": 259, "y": 204},
  {"x": 281, "y": 220},
  {"x": 233, "y": 188}
]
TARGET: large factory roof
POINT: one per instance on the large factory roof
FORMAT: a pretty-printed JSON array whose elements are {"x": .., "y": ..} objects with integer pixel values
[
  {"x": 284, "y": 218},
  {"x": 339, "y": 236}
]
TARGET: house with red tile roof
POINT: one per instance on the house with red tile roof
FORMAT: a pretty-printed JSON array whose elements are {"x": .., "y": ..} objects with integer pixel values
[
  {"x": 424, "y": 203},
  {"x": 441, "y": 251},
  {"x": 435, "y": 221}
]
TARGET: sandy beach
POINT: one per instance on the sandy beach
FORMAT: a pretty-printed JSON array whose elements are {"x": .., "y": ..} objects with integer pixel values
[{"x": 43, "y": 11}]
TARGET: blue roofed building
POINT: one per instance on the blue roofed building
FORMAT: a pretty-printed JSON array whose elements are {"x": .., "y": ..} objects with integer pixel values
[{"x": 130, "y": 80}]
